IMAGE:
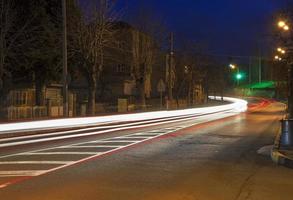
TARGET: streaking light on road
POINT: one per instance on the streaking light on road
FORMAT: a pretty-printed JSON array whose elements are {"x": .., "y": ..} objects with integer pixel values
[{"x": 236, "y": 105}]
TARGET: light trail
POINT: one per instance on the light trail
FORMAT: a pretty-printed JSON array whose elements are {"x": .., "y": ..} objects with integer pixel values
[
  {"x": 38, "y": 138},
  {"x": 236, "y": 105}
]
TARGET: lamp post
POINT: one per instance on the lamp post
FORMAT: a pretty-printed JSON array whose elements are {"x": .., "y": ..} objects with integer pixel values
[
  {"x": 64, "y": 77},
  {"x": 238, "y": 76},
  {"x": 284, "y": 26},
  {"x": 286, "y": 136}
]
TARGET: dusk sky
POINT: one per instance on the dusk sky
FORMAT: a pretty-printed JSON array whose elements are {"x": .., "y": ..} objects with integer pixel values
[
  {"x": 223, "y": 27},
  {"x": 232, "y": 27}
]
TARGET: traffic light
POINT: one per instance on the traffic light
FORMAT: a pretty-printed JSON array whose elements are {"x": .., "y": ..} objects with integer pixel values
[{"x": 239, "y": 76}]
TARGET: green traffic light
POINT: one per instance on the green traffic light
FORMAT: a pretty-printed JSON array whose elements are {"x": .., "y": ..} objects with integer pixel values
[{"x": 239, "y": 76}]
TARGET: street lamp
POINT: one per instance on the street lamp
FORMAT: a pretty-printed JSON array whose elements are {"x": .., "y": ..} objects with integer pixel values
[
  {"x": 186, "y": 69},
  {"x": 282, "y": 24},
  {"x": 278, "y": 58},
  {"x": 286, "y": 136},
  {"x": 232, "y": 66},
  {"x": 285, "y": 26},
  {"x": 282, "y": 51}
]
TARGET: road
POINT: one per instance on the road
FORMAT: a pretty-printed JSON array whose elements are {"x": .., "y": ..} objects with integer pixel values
[{"x": 219, "y": 159}]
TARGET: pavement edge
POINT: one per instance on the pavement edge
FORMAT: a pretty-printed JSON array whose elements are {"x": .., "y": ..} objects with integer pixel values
[{"x": 278, "y": 156}]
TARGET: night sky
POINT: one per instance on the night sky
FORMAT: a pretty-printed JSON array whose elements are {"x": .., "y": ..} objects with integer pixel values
[{"x": 223, "y": 27}]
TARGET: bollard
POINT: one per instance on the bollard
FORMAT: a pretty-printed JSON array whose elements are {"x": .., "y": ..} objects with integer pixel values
[{"x": 286, "y": 139}]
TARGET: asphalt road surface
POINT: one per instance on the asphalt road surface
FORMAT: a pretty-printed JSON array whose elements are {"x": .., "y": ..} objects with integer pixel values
[{"x": 224, "y": 159}]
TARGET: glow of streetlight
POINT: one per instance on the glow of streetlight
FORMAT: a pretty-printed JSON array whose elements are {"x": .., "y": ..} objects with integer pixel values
[
  {"x": 186, "y": 69},
  {"x": 286, "y": 28},
  {"x": 277, "y": 57},
  {"x": 281, "y": 50},
  {"x": 281, "y": 24},
  {"x": 232, "y": 66}
]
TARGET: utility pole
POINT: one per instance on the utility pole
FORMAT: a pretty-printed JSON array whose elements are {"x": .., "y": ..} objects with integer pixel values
[
  {"x": 249, "y": 70},
  {"x": 65, "y": 83},
  {"x": 171, "y": 60},
  {"x": 259, "y": 69},
  {"x": 259, "y": 62},
  {"x": 238, "y": 72}
]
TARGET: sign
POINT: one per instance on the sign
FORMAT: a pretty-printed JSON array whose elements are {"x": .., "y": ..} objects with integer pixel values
[{"x": 161, "y": 87}]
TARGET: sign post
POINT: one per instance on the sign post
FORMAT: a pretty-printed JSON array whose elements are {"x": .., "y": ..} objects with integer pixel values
[{"x": 161, "y": 87}]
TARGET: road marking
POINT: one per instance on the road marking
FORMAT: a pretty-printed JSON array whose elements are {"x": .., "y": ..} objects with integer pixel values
[
  {"x": 61, "y": 153},
  {"x": 148, "y": 134},
  {"x": 209, "y": 118},
  {"x": 12, "y": 175},
  {"x": 22, "y": 173},
  {"x": 133, "y": 137},
  {"x": 158, "y": 132},
  {"x": 36, "y": 162},
  {"x": 104, "y": 141},
  {"x": 153, "y": 134},
  {"x": 97, "y": 146}
]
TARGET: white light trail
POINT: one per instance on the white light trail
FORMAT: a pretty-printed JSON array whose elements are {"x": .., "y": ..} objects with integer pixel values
[
  {"x": 236, "y": 105},
  {"x": 199, "y": 119}
]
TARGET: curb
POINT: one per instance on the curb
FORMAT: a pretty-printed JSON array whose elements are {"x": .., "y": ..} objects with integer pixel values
[
  {"x": 281, "y": 159},
  {"x": 279, "y": 156}
]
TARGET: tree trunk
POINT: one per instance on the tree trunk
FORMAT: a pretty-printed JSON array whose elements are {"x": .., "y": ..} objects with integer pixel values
[
  {"x": 190, "y": 88},
  {"x": 1, "y": 65},
  {"x": 142, "y": 97},
  {"x": 39, "y": 98},
  {"x": 39, "y": 85},
  {"x": 189, "y": 95},
  {"x": 2, "y": 96},
  {"x": 92, "y": 96}
]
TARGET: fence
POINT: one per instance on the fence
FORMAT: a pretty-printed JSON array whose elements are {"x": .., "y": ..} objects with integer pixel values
[{"x": 26, "y": 112}]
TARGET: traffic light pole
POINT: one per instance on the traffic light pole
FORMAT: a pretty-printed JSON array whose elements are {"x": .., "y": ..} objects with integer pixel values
[{"x": 237, "y": 77}]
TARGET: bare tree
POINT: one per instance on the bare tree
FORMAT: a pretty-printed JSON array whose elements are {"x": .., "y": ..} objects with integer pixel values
[
  {"x": 93, "y": 32},
  {"x": 12, "y": 37},
  {"x": 147, "y": 38},
  {"x": 143, "y": 60},
  {"x": 191, "y": 70}
]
